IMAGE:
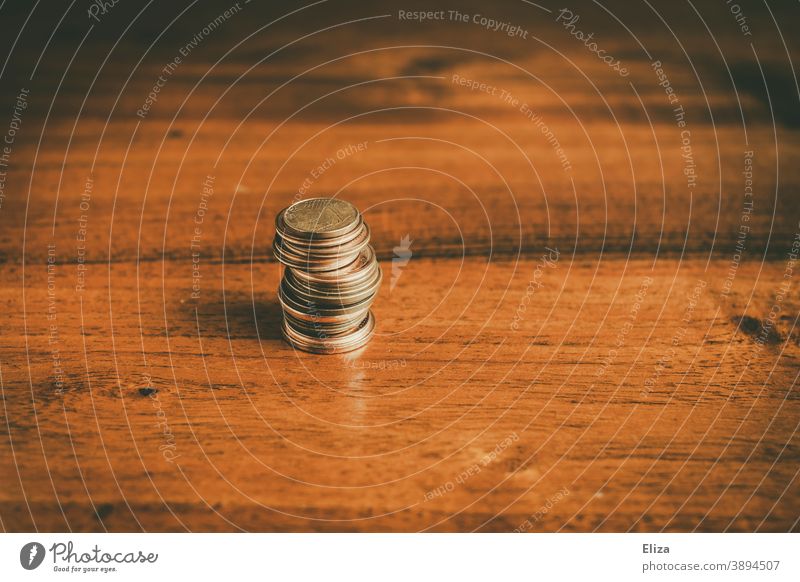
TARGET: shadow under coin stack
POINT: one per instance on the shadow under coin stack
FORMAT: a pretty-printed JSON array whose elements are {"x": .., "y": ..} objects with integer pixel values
[{"x": 331, "y": 276}]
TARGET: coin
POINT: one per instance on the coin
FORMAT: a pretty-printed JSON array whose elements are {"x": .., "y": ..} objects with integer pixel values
[
  {"x": 343, "y": 294},
  {"x": 331, "y": 276},
  {"x": 332, "y": 345},
  {"x": 356, "y": 271},
  {"x": 348, "y": 245},
  {"x": 320, "y": 217},
  {"x": 320, "y": 243}
]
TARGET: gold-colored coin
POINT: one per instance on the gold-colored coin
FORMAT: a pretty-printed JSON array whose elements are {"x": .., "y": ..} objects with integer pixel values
[{"x": 320, "y": 217}]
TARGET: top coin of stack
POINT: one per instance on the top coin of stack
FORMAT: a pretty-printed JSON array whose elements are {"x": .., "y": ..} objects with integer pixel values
[{"x": 331, "y": 276}]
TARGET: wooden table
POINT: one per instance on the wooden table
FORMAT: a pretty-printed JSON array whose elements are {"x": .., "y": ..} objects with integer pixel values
[{"x": 585, "y": 337}]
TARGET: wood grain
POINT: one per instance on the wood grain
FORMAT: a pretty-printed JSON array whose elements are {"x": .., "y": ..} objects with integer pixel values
[
  {"x": 268, "y": 439},
  {"x": 571, "y": 349}
]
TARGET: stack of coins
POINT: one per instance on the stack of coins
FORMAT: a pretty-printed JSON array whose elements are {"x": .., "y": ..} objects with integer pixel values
[{"x": 331, "y": 276}]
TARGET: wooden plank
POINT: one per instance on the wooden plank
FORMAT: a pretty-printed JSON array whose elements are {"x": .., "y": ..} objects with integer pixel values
[
  {"x": 646, "y": 380},
  {"x": 448, "y": 420},
  {"x": 470, "y": 170},
  {"x": 491, "y": 200}
]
